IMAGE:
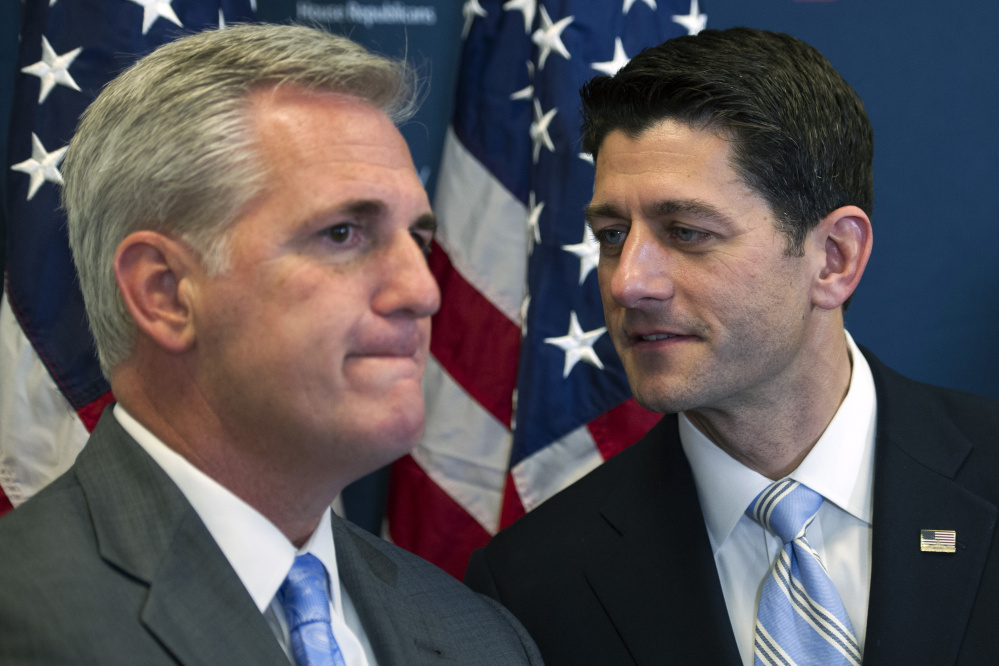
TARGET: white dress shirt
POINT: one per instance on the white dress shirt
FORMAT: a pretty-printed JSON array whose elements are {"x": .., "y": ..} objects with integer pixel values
[
  {"x": 839, "y": 467},
  {"x": 257, "y": 550}
]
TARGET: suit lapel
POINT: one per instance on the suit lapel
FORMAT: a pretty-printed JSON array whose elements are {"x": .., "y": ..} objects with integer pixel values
[
  {"x": 200, "y": 610},
  {"x": 195, "y": 606},
  {"x": 659, "y": 580},
  {"x": 920, "y": 602},
  {"x": 398, "y": 632}
]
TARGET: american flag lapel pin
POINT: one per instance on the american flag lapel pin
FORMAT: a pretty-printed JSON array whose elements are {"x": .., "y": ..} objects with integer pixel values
[{"x": 937, "y": 541}]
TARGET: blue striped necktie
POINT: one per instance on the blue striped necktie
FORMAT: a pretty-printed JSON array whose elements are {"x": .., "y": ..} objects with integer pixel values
[
  {"x": 307, "y": 609},
  {"x": 801, "y": 619}
]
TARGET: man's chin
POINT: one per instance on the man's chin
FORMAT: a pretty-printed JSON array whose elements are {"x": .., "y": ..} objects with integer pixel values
[
  {"x": 662, "y": 399},
  {"x": 403, "y": 425}
]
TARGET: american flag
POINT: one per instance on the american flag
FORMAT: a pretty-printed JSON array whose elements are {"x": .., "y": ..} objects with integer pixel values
[
  {"x": 525, "y": 393},
  {"x": 51, "y": 388},
  {"x": 938, "y": 541}
]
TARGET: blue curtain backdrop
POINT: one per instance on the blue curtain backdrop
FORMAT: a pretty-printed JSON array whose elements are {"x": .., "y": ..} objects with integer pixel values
[{"x": 927, "y": 73}]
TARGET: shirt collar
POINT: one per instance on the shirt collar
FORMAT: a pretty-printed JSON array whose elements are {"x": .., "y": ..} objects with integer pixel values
[
  {"x": 839, "y": 466},
  {"x": 259, "y": 553}
]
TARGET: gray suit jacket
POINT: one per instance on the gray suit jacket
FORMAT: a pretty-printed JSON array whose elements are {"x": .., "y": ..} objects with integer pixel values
[{"x": 111, "y": 565}]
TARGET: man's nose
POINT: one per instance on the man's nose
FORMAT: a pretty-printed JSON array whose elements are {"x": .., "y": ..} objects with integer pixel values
[
  {"x": 408, "y": 286},
  {"x": 642, "y": 271}
]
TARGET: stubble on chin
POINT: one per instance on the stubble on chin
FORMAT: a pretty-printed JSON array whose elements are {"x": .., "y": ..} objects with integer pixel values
[{"x": 663, "y": 394}]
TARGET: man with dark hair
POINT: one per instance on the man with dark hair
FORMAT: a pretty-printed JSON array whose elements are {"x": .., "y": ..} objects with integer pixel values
[
  {"x": 800, "y": 502},
  {"x": 250, "y": 237}
]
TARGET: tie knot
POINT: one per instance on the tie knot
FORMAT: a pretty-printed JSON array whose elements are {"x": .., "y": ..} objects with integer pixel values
[
  {"x": 303, "y": 593},
  {"x": 785, "y": 508}
]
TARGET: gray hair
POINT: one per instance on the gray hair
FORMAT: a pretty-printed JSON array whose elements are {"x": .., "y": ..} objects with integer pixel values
[{"x": 167, "y": 147}]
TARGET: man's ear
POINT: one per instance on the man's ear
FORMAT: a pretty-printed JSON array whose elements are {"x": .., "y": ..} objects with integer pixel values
[
  {"x": 154, "y": 276},
  {"x": 842, "y": 244}
]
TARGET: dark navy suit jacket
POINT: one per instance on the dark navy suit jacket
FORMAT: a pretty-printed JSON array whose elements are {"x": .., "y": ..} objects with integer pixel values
[{"x": 617, "y": 569}]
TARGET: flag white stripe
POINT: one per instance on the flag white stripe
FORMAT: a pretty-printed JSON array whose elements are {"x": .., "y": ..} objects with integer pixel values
[
  {"x": 465, "y": 450},
  {"x": 555, "y": 467},
  {"x": 40, "y": 432},
  {"x": 483, "y": 228}
]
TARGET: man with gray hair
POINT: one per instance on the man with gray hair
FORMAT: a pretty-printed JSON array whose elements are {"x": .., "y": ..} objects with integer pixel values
[{"x": 249, "y": 233}]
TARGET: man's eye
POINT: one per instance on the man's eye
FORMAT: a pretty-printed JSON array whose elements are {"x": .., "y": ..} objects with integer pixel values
[
  {"x": 610, "y": 236},
  {"x": 340, "y": 233},
  {"x": 685, "y": 235}
]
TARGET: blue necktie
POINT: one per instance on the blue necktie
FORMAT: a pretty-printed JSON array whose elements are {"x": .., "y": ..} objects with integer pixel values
[
  {"x": 307, "y": 608},
  {"x": 801, "y": 619}
]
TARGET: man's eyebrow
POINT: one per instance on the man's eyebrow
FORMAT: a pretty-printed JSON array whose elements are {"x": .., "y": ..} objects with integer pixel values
[
  {"x": 425, "y": 222},
  {"x": 694, "y": 208},
  {"x": 602, "y": 211},
  {"x": 372, "y": 209},
  {"x": 365, "y": 208},
  {"x": 689, "y": 208}
]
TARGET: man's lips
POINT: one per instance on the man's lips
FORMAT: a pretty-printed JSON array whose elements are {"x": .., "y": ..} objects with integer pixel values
[
  {"x": 657, "y": 336},
  {"x": 403, "y": 348},
  {"x": 408, "y": 352},
  {"x": 638, "y": 337}
]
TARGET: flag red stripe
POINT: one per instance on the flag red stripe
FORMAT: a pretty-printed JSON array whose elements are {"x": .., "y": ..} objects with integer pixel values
[
  {"x": 5, "y": 505},
  {"x": 466, "y": 324},
  {"x": 424, "y": 519},
  {"x": 90, "y": 413},
  {"x": 619, "y": 428}
]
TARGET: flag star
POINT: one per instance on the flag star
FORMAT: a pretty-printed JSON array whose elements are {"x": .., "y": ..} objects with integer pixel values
[
  {"x": 539, "y": 129},
  {"x": 53, "y": 69},
  {"x": 619, "y": 60},
  {"x": 523, "y": 93},
  {"x": 470, "y": 10},
  {"x": 586, "y": 157},
  {"x": 528, "y": 7},
  {"x": 588, "y": 252},
  {"x": 154, "y": 9},
  {"x": 695, "y": 21},
  {"x": 549, "y": 37},
  {"x": 42, "y": 166},
  {"x": 221, "y": 20},
  {"x": 578, "y": 345},
  {"x": 527, "y": 92},
  {"x": 533, "y": 223},
  {"x": 629, "y": 3}
]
